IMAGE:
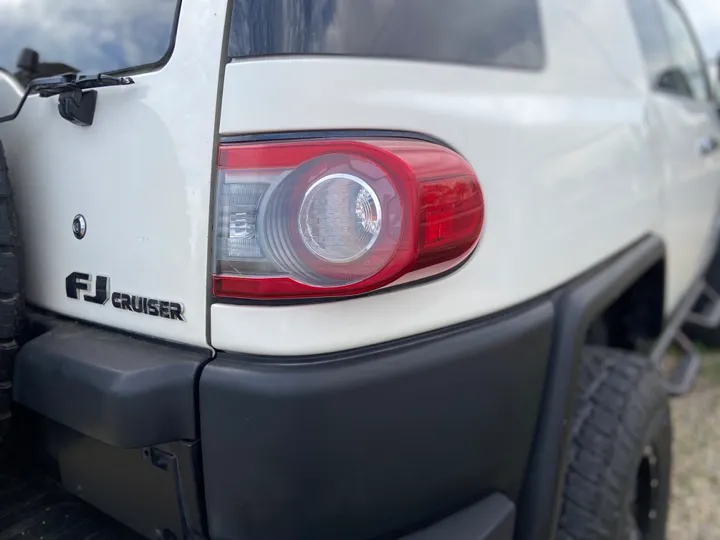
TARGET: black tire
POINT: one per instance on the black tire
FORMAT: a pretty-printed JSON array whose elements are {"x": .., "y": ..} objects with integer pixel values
[
  {"x": 12, "y": 298},
  {"x": 617, "y": 485}
]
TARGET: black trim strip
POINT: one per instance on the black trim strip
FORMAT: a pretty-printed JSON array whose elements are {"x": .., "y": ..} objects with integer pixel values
[
  {"x": 371, "y": 351},
  {"x": 334, "y": 134}
]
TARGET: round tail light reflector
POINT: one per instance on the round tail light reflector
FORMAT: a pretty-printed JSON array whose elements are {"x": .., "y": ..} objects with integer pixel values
[{"x": 330, "y": 218}]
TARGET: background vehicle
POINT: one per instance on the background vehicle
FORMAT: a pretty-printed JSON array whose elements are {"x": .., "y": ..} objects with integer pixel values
[{"x": 353, "y": 270}]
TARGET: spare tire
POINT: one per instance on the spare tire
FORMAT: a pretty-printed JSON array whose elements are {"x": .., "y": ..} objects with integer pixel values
[{"x": 12, "y": 297}]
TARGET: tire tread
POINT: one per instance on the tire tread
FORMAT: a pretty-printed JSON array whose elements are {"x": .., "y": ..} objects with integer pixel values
[
  {"x": 618, "y": 392},
  {"x": 12, "y": 298}
]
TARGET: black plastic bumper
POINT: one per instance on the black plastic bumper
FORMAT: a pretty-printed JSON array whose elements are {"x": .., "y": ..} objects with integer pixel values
[
  {"x": 374, "y": 441},
  {"x": 379, "y": 442},
  {"x": 122, "y": 391}
]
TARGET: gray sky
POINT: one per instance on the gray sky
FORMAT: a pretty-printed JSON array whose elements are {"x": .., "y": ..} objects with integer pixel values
[
  {"x": 705, "y": 15},
  {"x": 91, "y": 35}
]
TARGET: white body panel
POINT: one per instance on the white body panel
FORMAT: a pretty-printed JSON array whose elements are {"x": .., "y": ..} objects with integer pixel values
[
  {"x": 690, "y": 187},
  {"x": 563, "y": 157},
  {"x": 568, "y": 159},
  {"x": 141, "y": 177}
]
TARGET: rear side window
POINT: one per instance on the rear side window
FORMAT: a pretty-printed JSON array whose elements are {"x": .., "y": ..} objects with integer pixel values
[
  {"x": 503, "y": 33},
  {"x": 673, "y": 59},
  {"x": 685, "y": 50},
  {"x": 87, "y": 35}
]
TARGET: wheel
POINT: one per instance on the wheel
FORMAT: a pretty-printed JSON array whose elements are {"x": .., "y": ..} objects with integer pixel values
[
  {"x": 617, "y": 486},
  {"x": 12, "y": 301}
]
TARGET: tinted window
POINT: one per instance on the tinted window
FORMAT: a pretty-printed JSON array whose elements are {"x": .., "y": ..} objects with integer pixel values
[
  {"x": 705, "y": 15},
  {"x": 503, "y": 33},
  {"x": 87, "y": 35},
  {"x": 673, "y": 60},
  {"x": 653, "y": 38},
  {"x": 684, "y": 49}
]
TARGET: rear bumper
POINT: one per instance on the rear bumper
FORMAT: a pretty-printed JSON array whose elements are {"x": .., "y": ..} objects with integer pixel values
[
  {"x": 353, "y": 445},
  {"x": 374, "y": 441},
  {"x": 436, "y": 436}
]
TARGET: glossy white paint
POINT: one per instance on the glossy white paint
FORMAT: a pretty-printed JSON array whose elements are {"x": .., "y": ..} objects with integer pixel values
[
  {"x": 569, "y": 160},
  {"x": 690, "y": 186},
  {"x": 140, "y": 175}
]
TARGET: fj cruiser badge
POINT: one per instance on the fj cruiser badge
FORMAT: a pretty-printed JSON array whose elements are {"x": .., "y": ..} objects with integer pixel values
[{"x": 78, "y": 282}]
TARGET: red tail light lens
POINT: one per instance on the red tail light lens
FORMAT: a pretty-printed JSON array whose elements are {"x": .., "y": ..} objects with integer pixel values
[{"x": 323, "y": 218}]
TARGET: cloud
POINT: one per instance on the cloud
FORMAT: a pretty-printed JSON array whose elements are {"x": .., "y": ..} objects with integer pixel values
[
  {"x": 705, "y": 16},
  {"x": 101, "y": 35}
]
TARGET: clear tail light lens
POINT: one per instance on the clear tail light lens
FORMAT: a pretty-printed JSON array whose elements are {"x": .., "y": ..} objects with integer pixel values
[{"x": 323, "y": 218}]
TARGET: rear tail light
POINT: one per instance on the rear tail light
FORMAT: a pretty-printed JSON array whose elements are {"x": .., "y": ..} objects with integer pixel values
[{"x": 323, "y": 218}]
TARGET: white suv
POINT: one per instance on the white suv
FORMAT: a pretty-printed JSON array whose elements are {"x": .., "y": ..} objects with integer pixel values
[{"x": 352, "y": 269}]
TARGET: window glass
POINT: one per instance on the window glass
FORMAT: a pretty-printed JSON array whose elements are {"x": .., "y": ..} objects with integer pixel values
[
  {"x": 504, "y": 33},
  {"x": 86, "y": 35},
  {"x": 673, "y": 61},
  {"x": 685, "y": 52},
  {"x": 705, "y": 16},
  {"x": 653, "y": 38}
]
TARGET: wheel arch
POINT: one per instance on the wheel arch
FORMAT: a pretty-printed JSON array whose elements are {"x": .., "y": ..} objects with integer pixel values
[
  {"x": 625, "y": 280},
  {"x": 635, "y": 318}
]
